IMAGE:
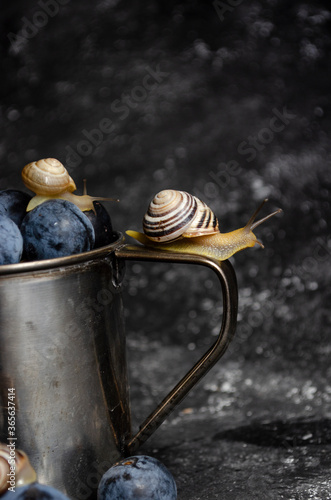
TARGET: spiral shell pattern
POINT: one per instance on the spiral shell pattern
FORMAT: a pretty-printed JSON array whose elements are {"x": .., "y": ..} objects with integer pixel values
[
  {"x": 47, "y": 177},
  {"x": 203, "y": 223},
  {"x": 17, "y": 460},
  {"x": 172, "y": 214}
]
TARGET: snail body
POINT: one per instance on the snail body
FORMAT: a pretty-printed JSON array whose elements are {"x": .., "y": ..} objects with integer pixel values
[
  {"x": 179, "y": 222},
  {"x": 49, "y": 179},
  {"x": 17, "y": 461}
]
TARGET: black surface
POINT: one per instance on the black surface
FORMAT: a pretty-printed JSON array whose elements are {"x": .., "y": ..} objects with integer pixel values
[{"x": 258, "y": 426}]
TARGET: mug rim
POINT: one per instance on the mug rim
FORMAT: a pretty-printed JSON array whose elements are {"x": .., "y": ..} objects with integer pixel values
[{"x": 68, "y": 260}]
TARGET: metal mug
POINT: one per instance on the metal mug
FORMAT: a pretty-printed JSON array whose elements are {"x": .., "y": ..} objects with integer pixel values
[{"x": 63, "y": 362}]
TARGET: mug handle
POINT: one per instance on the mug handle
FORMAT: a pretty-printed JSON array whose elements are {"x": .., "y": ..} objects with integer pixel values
[{"x": 227, "y": 277}]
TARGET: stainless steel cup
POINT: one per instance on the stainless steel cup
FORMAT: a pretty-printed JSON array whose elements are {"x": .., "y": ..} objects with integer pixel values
[{"x": 63, "y": 374}]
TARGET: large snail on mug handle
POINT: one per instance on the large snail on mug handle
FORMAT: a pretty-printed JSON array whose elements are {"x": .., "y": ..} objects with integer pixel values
[
  {"x": 179, "y": 222},
  {"x": 49, "y": 179}
]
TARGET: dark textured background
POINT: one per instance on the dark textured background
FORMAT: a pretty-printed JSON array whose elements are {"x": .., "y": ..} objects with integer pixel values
[{"x": 259, "y": 425}]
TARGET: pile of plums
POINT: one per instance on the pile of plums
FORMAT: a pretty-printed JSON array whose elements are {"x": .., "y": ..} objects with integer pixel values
[{"x": 55, "y": 228}]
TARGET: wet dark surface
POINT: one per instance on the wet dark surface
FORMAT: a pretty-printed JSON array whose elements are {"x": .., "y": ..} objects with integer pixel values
[{"x": 232, "y": 105}]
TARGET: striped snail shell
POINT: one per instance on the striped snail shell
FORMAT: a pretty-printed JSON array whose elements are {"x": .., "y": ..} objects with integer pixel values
[
  {"x": 16, "y": 462},
  {"x": 173, "y": 214},
  {"x": 47, "y": 177}
]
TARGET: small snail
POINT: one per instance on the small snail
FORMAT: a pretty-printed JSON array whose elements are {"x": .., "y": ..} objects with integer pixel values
[
  {"x": 49, "y": 179},
  {"x": 16, "y": 462},
  {"x": 180, "y": 222}
]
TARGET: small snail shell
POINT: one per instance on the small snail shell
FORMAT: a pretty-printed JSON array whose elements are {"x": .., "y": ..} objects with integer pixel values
[
  {"x": 179, "y": 222},
  {"x": 18, "y": 462},
  {"x": 49, "y": 179}
]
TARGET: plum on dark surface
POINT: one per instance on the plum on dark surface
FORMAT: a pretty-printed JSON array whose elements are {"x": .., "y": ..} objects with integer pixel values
[
  {"x": 34, "y": 491},
  {"x": 102, "y": 225},
  {"x": 11, "y": 241},
  {"x": 137, "y": 478},
  {"x": 56, "y": 228},
  {"x": 13, "y": 204}
]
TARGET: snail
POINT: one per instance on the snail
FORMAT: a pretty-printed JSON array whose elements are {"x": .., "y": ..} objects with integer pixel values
[
  {"x": 16, "y": 463},
  {"x": 49, "y": 179},
  {"x": 180, "y": 222}
]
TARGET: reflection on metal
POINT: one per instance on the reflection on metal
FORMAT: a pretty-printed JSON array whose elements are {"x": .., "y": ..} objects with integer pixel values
[
  {"x": 62, "y": 354},
  {"x": 227, "y": 277}
]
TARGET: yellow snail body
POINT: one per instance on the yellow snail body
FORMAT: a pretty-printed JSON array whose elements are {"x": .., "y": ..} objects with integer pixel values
[
  {"x": 16, "y": 462},
  {"x": 49, "y": 179},
  {"x": 179, "y": 222}
]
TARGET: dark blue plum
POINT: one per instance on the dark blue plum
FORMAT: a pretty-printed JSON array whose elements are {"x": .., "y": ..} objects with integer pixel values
[
  {"x": 137, "y": 478},
  {"x": 34, "y": 491},
  {"x": 102, "y": 225},
  {"x": 11, "y": 241},
  {"x": 13, "y": 204},
  {"x": 56, "y": 228}
]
